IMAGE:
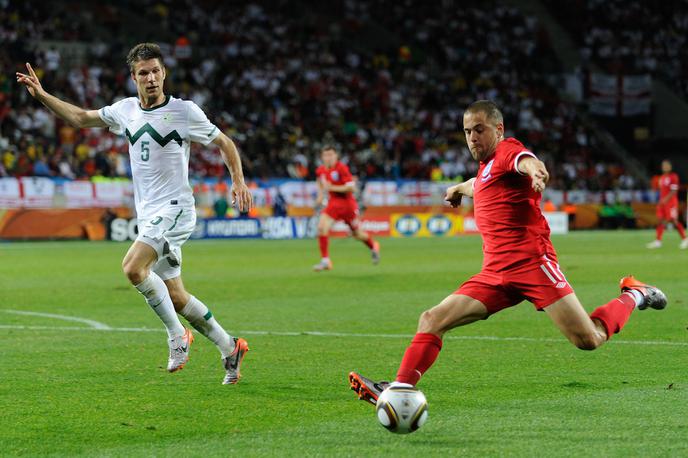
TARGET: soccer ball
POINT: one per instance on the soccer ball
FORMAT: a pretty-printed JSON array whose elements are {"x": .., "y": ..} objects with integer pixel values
[{"x": 402, "y": 410}]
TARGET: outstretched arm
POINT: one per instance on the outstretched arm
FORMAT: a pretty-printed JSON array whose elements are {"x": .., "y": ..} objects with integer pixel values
[
  {"x": 536, "y": 170},
  {"x": 455, "y": 192},
  {"x": 343, "y": 188},
  {"x": 241, "y": 195},
  {"x": 77, "y": 117}
]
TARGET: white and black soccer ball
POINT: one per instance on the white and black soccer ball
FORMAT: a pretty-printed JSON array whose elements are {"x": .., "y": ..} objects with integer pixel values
[{"x": 402, "y": 410}]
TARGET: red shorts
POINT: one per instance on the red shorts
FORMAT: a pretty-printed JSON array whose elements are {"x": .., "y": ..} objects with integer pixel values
[
  {"x": 667, "y": 212},
  {"x": 542, "y": 284},
  {"x": 344, "y": 211}
]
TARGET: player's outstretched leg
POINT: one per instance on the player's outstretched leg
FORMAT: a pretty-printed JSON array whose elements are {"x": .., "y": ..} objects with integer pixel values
[
  {"x": 590, "y": 332},
  {"x": 455, "y": 310}
]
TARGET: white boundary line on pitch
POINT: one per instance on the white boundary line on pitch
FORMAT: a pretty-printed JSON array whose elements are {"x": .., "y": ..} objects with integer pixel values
[
  {"x": 344, "y": 334},
  {"x": 94, "y": 324}
]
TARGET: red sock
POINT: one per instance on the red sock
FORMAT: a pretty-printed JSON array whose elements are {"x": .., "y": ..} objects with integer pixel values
[
  {"x": 680, "y": 229},
  {"x": 369, "y": 242},
  {"x": 323, "y": 242},
  {"x": 419, "y": 356},
  {"x": 660, "y": 231},
  {"x": 615, "y": 313}
]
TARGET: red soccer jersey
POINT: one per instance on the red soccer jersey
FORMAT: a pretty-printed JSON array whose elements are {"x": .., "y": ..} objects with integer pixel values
[
  {"x": 337, "y": 175},
  {"x": 507, "y": 211},
  {"x": 669, "y": 182}
]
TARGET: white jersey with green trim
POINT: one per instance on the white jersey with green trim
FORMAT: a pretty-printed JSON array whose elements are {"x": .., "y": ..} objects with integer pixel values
[{"x": 159, "y": 143}]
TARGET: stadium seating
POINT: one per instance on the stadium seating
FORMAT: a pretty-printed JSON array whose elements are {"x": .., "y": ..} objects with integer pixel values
[{"x": 282, "y": 82}]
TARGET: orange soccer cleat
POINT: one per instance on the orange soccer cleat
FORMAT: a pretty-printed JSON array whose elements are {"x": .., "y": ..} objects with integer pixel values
[
  {"x": 366, "y": 389},
  {"x": 179, "y": 351},
  {"x": 653, "y": 297},
  {"x": 232, "y": 363}
]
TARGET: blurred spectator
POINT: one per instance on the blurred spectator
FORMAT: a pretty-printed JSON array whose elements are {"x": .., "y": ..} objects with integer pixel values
[{"x": 279, "y": 208}]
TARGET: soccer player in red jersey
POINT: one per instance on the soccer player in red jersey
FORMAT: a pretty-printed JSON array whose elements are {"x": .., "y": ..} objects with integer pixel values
[
  {"x": 519, "y": 260},
  {"x": 667, "y": 207},
  {"x": 334, "y": 177}
]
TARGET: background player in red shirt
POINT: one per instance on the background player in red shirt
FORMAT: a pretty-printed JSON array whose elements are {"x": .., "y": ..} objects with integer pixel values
[
  {"x": 334, "y": 177},
  {"x": 667, "y": 207},
  {"x": 519, "y": 260}
]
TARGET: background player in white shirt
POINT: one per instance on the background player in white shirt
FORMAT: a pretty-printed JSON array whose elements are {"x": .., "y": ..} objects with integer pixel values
[{"x": 159, "y": 129}]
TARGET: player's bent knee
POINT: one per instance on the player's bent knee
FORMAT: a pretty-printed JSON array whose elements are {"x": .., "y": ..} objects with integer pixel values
[
  {"x": 134, "y": 273},
  {"x": 428, "y": 322},
  {"x": 587, "y": 342}
]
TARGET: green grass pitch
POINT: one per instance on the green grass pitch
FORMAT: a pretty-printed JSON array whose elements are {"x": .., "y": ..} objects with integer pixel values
[{"x": 508, "y": 386}]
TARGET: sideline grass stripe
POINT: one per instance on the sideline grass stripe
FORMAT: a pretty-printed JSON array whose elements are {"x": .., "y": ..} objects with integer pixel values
[{"x": 344, "y": 334}]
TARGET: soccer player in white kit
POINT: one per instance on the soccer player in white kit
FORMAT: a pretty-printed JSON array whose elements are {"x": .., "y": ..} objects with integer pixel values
[{"x": 159, "y": 129}]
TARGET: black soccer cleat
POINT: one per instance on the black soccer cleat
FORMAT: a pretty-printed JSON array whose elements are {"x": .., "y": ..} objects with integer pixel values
[{"x": 366, "y": 389}]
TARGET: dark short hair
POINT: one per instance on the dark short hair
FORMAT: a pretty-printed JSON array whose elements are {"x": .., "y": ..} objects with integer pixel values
[
  {"x": 489, "y": 108},
  {"x": 144, "y": 51},
  {"x": 328, "y": 147}
]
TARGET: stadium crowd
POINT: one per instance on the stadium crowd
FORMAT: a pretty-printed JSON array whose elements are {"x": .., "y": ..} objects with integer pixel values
[
  {"x": 284, "y": 80},
  {"x": 626, "y": 37}
]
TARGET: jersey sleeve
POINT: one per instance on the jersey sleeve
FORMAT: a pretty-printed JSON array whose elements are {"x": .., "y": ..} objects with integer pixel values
[
  {"x": 345, "y": 176},
  {"x": 200, "y": 129},
  {"x": 112, "y": 116},
  {"x": 673, "y": 185},
  {"x": 513, "y": 154},
  {"x": 320, "y": 171}
]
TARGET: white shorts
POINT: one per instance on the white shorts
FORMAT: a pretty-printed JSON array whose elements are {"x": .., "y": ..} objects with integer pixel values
[{"x": 166, "y": 232}]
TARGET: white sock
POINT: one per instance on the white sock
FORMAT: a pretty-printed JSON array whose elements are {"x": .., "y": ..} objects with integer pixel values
[
  {"x": 203, "y": 321},
  {"x": 157, "y": 296},
  {"x": 325, "y": 259},
  {"x": 637, "y": 296}
]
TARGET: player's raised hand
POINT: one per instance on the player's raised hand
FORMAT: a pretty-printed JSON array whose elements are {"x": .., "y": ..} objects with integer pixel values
[
  {"x": 33, "y": 85},
  {"x": 242, "y": 197}
]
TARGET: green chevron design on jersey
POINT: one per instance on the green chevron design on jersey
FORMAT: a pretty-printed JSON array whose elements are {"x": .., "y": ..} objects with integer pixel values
[{"x": 159, "y": 139}]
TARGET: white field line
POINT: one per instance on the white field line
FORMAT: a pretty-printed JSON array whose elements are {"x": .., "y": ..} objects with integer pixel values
[
  {"x": 348, "y": 334},
  {"x": 94, "y": 324}
]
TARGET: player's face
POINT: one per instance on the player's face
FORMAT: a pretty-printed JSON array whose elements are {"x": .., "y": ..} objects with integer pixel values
[
  {"x": 482, "y": 135},
  {"x": 149, "y": 76},
  {"x": 666, "y": 167},
  {"x": 329, "y": 157}
]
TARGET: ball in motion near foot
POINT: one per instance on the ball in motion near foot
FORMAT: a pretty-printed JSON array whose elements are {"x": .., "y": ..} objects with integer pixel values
[{"x": 402, "y": 410}]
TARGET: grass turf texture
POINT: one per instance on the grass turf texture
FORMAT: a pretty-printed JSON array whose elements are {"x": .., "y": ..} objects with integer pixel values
[{"x": 106, "y": 393}]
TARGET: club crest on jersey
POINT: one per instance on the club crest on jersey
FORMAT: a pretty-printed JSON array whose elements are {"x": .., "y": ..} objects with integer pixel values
[
  {"x": 486, "y": 175},
  {"x": 334, "y": 175}
]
